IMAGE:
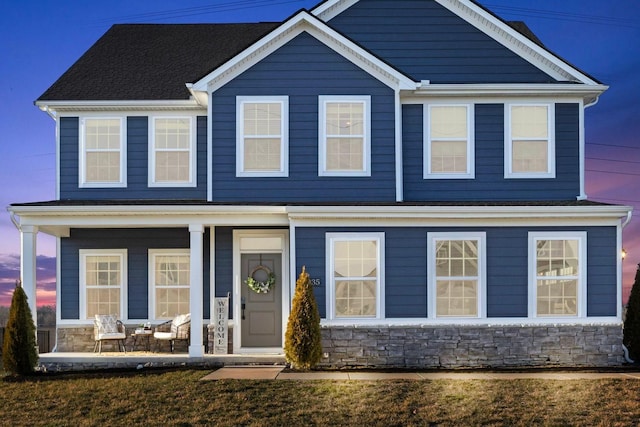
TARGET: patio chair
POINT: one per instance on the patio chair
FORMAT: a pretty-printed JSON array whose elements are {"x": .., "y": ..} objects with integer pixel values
[
  {"x": 107, "y": 327},
  {"x": 179, "y": 328}
]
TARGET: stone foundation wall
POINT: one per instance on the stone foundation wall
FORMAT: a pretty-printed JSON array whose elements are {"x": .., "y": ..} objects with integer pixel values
[{"x": 472, "y": 346}]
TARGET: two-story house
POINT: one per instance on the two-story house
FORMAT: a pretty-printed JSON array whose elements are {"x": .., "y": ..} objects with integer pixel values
[{"x": 423, "y": 159}]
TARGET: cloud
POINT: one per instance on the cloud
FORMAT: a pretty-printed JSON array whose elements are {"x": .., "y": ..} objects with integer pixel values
[{"x": 46, "y": 278}]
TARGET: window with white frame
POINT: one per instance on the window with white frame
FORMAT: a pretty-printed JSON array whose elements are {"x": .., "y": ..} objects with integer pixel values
[
  {"x": 262, "y": 146},
  {"x": 172, "y": 152},
  {"x": 355, "y": 275},
  {"x": 449, "y": 141},
  {"x": 102, "y": 152},
  {"x": 456, "y": 274},
  {"x": 557, "y": 263},
  {"x": 103, "y": 276},
  {"x": 345, "y": 135},
  {"x": 529, "y": 141},
  {"x": 169, "y": 277}
]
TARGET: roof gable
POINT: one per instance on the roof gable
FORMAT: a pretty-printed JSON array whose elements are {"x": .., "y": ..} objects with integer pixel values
[
  {"x": 513, "y": 37},
  {"x": 304, "y": 22}
]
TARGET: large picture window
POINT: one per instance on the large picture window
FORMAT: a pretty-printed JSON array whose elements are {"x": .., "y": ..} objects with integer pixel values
[
  {"x": 262, "y": 136},
  {"x": 172, "y": 152},
  {"x": 169, "y": 281},
  {"x": 102, "y": 153},
  {"x": 456, "y": 269},
  {"x": 102, "y": 282},
  {"x": 530, "y": 141},
  {"x": 344, "y": 136},
  {"x": 355, "y": 263},
  {"x": 449, "y": 142},
  {"x": 558, "y": 266}
]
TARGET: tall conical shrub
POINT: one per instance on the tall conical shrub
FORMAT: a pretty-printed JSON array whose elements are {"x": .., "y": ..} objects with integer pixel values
[
  {"x": 302, "y": 347},
  {"x": 632, "y": 320},
  {"x": 19, "y": 352}
]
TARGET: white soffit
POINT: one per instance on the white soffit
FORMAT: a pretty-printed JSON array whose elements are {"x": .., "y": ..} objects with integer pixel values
[{"x": 303, "y": 22}]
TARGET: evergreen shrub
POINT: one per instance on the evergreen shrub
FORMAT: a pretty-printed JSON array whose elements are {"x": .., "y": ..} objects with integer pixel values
[{"x": 19, "y": 350}]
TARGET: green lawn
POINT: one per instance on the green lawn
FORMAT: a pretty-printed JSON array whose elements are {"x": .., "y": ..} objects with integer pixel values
[{"x": 179, "y": 398}]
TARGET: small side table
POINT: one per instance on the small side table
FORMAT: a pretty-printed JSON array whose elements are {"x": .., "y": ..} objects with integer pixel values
[{"x": 145, "y": 338}]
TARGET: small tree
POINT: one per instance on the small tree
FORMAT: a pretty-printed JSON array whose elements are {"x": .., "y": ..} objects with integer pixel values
[
  {"x": 303, "y": 348},
  {"x": 632, "y": 320},
  {"x": 19, "y": 351}
]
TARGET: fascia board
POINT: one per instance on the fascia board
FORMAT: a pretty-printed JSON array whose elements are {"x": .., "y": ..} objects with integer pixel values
[
  {"x": 497, "y": 29},
  {"x": 299, "y": 23},
  {"x": 332, "y": 8},
  {"x": 511, "y": 90},
  {"x": 62, "y": 106}
]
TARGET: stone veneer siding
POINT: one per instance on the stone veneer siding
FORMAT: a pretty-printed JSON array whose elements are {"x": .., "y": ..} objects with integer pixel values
[{"x": 472, "y": 346}]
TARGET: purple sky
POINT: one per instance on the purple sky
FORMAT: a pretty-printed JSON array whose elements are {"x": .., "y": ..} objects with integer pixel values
[{"x": 40, "y": 39}]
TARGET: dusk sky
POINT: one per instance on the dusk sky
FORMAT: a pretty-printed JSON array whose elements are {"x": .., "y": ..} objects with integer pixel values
[{"x": 40, "y": 39}]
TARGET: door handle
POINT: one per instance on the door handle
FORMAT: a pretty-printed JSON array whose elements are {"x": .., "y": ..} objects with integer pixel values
[{"x": 243, "y": 306}]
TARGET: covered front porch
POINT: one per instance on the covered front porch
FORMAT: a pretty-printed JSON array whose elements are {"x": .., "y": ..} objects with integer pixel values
[{"x": 222, "y": 246}]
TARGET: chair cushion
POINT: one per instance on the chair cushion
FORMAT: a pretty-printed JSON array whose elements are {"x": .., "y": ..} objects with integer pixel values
[
  {"x": 111, "y": 336},
  {"x": 107, "y": 323},
  {"x": 164, "y": 335},
  {"x": 181, "y": 319}
]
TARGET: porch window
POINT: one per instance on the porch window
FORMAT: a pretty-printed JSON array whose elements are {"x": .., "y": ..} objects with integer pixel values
[
  {"x": 169, "y": 282},
  {"x": 558, "y": 271},
  {"x": 102, "y": 153},
  {"x": 262, "y": 146},
  {"x": 456, "y": 274},
  {"x": 449, "y": 147},
  {"x": 344, "y": 136},
  {"x": 530, "y": 141},
  {"x": 102, "y": 282},
  {"x": 172, "y": 152},
  {"x": 355, "y": 274}
]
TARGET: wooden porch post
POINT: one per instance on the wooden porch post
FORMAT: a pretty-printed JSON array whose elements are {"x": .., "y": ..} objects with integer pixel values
[{"x": 196, "y": 349}]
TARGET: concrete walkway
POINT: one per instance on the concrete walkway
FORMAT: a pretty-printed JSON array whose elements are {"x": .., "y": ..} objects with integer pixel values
[{"x": 276, "y": 373}]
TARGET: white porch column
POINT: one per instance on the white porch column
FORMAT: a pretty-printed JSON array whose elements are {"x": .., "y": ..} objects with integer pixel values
[
  {"x": 196, "y": 349},
  {"x": 28, "y": 235}
]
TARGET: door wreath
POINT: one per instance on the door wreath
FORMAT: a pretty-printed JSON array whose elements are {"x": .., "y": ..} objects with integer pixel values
[{"x": 261, "y": 287}]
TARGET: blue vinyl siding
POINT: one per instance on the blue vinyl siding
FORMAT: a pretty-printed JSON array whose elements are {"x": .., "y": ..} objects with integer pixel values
[
  {"x": 303, "y": 69},
  {"x": 489, "y": 182},
  {"x": 507, "y": 268},
  {"x": 137, "y": 130},
  {"x": 428, "y": 42},
  {"x": 137, "y": 242}
]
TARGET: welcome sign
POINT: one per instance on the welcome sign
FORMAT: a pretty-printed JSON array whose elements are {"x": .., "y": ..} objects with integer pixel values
[{"x": 221, "y": 334}]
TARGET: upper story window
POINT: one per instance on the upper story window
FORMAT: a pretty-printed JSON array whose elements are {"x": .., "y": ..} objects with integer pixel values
[
  {"x": 102, "y": 153},
  {"x": 262, "y": 146},
  {"x": 557, "y": 274},
  {"x": 529, "y": 141},
  {"x": 449, "y": 142},
  {"x": 103, "y": 275},
  {"x": 345, "y": 135},
  {"x": 172, "y": 152},
  {"x": 456, "y": 274},
  {"x": 356, "y": 275}
]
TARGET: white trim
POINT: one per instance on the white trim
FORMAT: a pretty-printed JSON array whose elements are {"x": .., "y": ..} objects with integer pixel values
[
  {"x": 330, "y": 9},
  {"x": 237, "y": 283},
  {"x": 303, "y": 22},
  {"x": 212, "y": 271},
  {"x": 582, "y": 138},
  {"x": 581, "y": 237},
  {"x": 152, "y": 255},
  {"x": 118, "y": 105},
  {"x": 551, "y": 142},
  {"x": 82, "y": 151},
  {"x": 481, "y": 239},
  {"x": 58, "y": 157},
  {"x": 487, "y": 92},
  {"x": 323, "y": 100},
  {"x": 82, "y": 257},
  {"x": 485, "y": 322},
  {"x": 284, "y": 135},
  {"x": 193, "y": 153},
  {"x": 399, "y": 148},
  {"x": 470, "y": 143},
  {"x": 209, "y": 149},
  {"x": 330, "y": 239}
]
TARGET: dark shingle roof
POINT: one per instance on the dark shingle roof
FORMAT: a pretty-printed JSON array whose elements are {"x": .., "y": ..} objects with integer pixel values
[{"x": 152, "y": 62}]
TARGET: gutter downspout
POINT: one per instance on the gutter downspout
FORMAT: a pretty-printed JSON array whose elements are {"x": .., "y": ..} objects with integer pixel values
[
  {"x": 624, "y": 347},
  {"x": 47, "y": 110},
  {"x": 15, "y": 222}
]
